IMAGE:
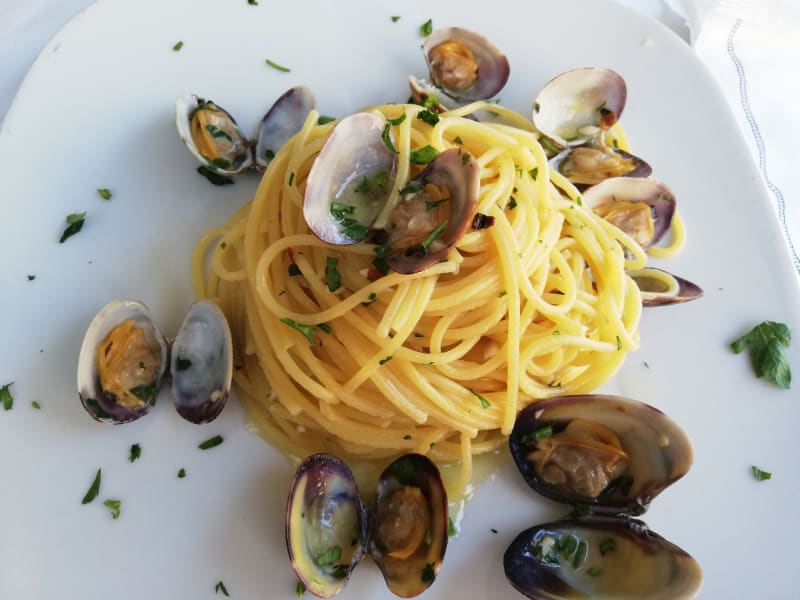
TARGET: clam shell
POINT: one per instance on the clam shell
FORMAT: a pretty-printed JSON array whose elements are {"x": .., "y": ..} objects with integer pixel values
[
  {"x": 100, "y": 405},
  {"x": 609, "y": 558},
  {"x": 202, "y": 363},
  {"x": 659, "y": 451},
  {"x": 660, "y": 288},
  {"x": 572, "y": 107},
  {"x": 326, "y": 524},
  {"x": 284, "y": 119}
]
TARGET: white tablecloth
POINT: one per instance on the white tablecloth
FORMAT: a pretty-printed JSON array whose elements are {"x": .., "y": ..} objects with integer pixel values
[{"x": 751, "y": 46}]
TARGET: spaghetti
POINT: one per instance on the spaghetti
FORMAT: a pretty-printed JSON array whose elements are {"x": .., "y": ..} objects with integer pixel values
[{"x": 437, "y": 362}]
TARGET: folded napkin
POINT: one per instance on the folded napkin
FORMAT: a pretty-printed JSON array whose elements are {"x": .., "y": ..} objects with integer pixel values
[{"x": 753, "y": 49}]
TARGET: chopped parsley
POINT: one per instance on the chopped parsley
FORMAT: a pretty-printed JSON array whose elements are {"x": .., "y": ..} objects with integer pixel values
[
  {"x": 370, "y": 299},
  {"x": 220, "y": 587},
  {"x": 434, "y": 234},
  {"x": 395, "y": 18},
  {"x": 364, "y": 187},
  {"x": 211, "y": 442},
  {"x": 761, "y": 475},
  {"x": 407, "y": 437},
  {"x": 36, "y": 405},
  {"x": 213, "y": 177},
  {"x": 412, "y": 188},
  {"x": 425, "y": 30},
  {"x": 136, "y": 453},
  {"x": 177, "y": 46},
  {"x": 619, "y": 343},
  {"x": 765, "y": 342},
  {"x": 181, "y": 364},
  {"x": 146, "y": 392},
  {"x": 269, "y": 154},
  {"x": 277, "y": 67},
  {"x": 484, "y": 402},
  {"x": 104, "y": 193},
  {"x": 219, "y": 163},
  {"x": 534, "y": 173},
  {"x": 530, "y": 437},
  {"x": 216, "y": 132},
  {"x": 251, "y": 3},
  {"x": 458, "y": 140},
  {"x": 323, "y": 120},
  {"x": 114, "y": 505},
  {"x": 330, "y": 556},
  {"x": 181, "y": 473},
  {"x": 607, "y": 545},
  {"x": 451, "y": 528},
  {"x": 5, "y": 396},
  {"x": 300, "y": 589},
  {"x": 350, "y": 227},
  {"x": 423, "y": 156},
  {"x": 332, "y": 278},
  {"x": 403, "y": 469},
  {"x": 431, "y": 117},
  {"x": 31, "y": 277},
  {"x": 74, "y": 225},
  {"x": 512, "y": 203},
  {"x": 431, "y": 204},
  {"x": 291, "y": 179},
  {"x": 93, "y": 490},
  {"x": 387, "y": 138},
  {"x": 397, "y": 120},
  {"x": 306, "y": 330},
  {"x": 383, "y": 361},
  {"x": 294, "y": 270}
]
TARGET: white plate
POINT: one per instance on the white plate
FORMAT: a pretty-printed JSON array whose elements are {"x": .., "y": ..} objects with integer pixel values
[{"x": 97, "y": 111}]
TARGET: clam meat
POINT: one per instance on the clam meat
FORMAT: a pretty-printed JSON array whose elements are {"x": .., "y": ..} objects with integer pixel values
[{"x": 592, "y": 163}]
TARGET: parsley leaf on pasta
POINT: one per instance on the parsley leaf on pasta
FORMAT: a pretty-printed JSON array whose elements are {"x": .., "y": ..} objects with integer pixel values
[{"x": 765, "y": 343}]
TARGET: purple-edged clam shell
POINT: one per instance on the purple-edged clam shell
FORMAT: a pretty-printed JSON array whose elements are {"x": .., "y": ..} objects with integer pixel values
[
  {"x": 409, "y": 576},
  {"x": 656, "y": 195},
  {"x": 661, "y": 288},
  {"x": 420, "y": 236},
  {"x": 492, "y": 65},
  {"x": 601, "y": 557},
  {"x": 202, "y": 363},
  {"x": 326, "y": 524},
  {"x": 658, "y": 450},
  {"x": 588, "y": 165},
  {"x": 284, "y": 119},
  {"x": 102, "y": 405}
]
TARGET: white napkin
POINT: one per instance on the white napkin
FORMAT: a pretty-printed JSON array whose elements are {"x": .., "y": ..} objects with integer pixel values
[{"x": 753, "y": 49}]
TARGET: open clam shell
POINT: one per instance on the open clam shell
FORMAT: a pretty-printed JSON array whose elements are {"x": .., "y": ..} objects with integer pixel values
[
  {"x": 464, "y": 65},
  {"x": 608, "y": 453},
  {"x": 609, "y": 558},
  {"x": 284, "y": 119},
  {"x": 427, "y": 221},
  {"x": 326, "y": 524},
  {"x": 591, "y": 164},
  {"x": 122, "y": 361},
  {"x": 660, "y": 288},
  {"x": 212, "y": 135},
  {"x": 202, "y": 363},
  {"x": 350, "y": 180},
  {"x": 577, "y": 105},
  {"x": 409, "y": 525}
]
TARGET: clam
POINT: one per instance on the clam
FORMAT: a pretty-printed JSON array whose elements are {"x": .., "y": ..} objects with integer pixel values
[
  {"x": 603, "y": 557},
  {"x": 328, "y": 529},
  {"x": 350, "y": 180},
  {"x": 608, "y": 457},
  {"x": 642, "y": 208},
  {"x": 213, "y": 137},
  {"x": 578, "y": 105},
  {"x": 124, "y": 358},
  {"x": 659, "y": 288},
  {"x": 325, "y": 524},
  {"x": 463, "y": 66},
  {"x": 409, "y": 525},
  {"x": 594, "y": 162},
  {"x": 436, "y": 211},
  {"x": 121, "y": 363},
  {"x": 284, "y": 119},
  {"x": 202, "y": 363}
]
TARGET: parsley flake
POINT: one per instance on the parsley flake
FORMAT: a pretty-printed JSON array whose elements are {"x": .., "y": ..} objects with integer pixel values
[
  {"x": 484, "y": 402},
  {"x": 211, "y": 442},
  {"x": 332, "y": 278},
  {"x": 277, "y": 67},
  {"x": 31, "y": 277},
  {"x": 428, "y": 574},
  {"x": 213, "y": 177},
  {"x": 136, "y": 452},
  {"x": 181, "y": 473},
  {"x": 423, "y": 156},
  {"x": 395, "y": 18},
  {"x": 36, "y": 405},
  {"x": 765, "y": 343},
  {"x": 330, "y": 556},
  {"x": 323, "y": 120},
  {"x": 434, "y": 234},
  {"x": 181, "y": 364},
  {"x": 451, "y": 528},
  {"x": 177, "y": 47},
  {"x": 93, "y": 490},
  {"x": 74, "y": 225},
  {"x": 761, "y": 475},
  {"x": 426, "y": 28},
  {"x": 104, "y": 193},
  {"x": 307, "y": 330},
  {"x": 220, "y": 587},
  {"x": 300, "y": 589},
  {"x": 114, "y": 505},
  {"x": 387, "y": 138},
  {"x": 5, "y": 396}
]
